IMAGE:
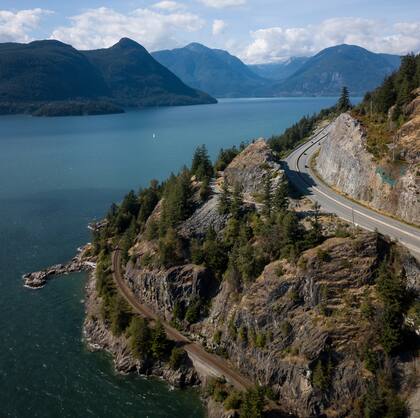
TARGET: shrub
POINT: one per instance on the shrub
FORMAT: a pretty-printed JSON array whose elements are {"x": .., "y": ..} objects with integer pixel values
[
  {"x": 260, "y": 340},
  {"x": 233, "y": 401},
  {"x": 321, "y": 375},
  {"x": 217, "y": 337},
  {"x": 177, "y": 357},
  {"x": 323, "y": 255},
  {"x": 192, "y": 314}
]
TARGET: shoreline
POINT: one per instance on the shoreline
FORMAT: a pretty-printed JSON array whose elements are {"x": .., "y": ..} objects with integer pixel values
[
  {"x": 97, "y": 336},
  {"x": 81, "y": 262}
]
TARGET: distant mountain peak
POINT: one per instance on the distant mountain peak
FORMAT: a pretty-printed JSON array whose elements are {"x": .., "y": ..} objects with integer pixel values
[
  {"x": 127, "y": 43},
  {"x": 341, "y": 65},
  {"x": 49, "y": 42},
  {"x": 212, "y": 70},
  {"x": 195, "y": 46}
]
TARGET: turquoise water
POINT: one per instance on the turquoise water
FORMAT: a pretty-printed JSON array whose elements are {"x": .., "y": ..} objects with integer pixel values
[{"x": 56, "y": 175}]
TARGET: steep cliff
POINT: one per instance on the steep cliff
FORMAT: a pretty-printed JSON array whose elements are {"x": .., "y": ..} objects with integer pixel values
[
  {"x": 98, "y": 335},
  {"x": 389, "y": 185},
  {"x": 317, "y": 314}
]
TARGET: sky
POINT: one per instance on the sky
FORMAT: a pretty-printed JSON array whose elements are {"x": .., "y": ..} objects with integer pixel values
[{"x": 258, "y": 31}]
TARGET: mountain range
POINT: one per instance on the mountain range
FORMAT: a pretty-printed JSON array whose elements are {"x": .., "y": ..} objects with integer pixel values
[
  {"x": 343, "y": 65},
  {"x": 223, "y": 75},
  {"x": 212, "y": 70},
  {"x": 53, "y": 78}
]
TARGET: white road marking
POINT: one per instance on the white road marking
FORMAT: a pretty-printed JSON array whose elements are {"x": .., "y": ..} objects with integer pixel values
[{"x": 314, "y": 188}]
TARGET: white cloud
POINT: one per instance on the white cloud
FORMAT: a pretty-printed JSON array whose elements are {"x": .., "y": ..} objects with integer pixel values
[
  {"x": 103, "y": 27},
  {"x": 218, "y": 26},
  {"x": 168, "y": 5},
  {"x": 274, "y": 44},
  {"x": 221, "y": 4},
  {"x": 17, "y": 26}
]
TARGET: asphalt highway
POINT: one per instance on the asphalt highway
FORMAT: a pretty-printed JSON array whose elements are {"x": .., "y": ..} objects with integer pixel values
[{"x": 306, "y": 181}]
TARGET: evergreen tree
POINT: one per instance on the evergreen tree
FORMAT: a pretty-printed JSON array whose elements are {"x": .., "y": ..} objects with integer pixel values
[
  {"x": 215, "y": 256},
  {"x": 148, "y": 198},
  {"x": 128, "y": 240},
  {"x": 281, "y": 199},
  {"x": 315, "y": 234},
  {"x": 237, "y": 201},
  {"x": 170, "y": 248},
  {"x": 225, "y": 157},
  {"x": 392, "y": 293},
  {"x": 267, "y": 197},
  {"x": 224, "y": 198},
  {"x": 120, "y": 315},
  {"x": 130, "y": 204},
  {"x": 140, "y": 337},
  {"x": 252, "y": 404},
  {"x": 177, "y": 203},
  {"x": 385, "y": 96},
  {"x": 159, "y": 341},
  {"x": 343, "y": 103},
  {"x": 201, "y": 165}
]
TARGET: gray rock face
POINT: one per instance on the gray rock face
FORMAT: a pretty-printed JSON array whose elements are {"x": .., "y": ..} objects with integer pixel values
[
  {"x": 252, "y": 166},
  {"x": 205, "y": 217},
  {"x": 276, "y": 331},
  {"x": 344, "y": 163},
  {"x": 162, "y": 289}
]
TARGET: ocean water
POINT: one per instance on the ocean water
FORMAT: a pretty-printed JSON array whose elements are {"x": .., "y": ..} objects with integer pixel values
[{"x": 58, "y": 174}]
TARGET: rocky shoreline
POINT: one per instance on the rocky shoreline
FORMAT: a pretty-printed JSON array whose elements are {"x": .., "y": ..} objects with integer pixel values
[
  {"x": 98, "y": 336},
  {"x": 81, "y": 262}
]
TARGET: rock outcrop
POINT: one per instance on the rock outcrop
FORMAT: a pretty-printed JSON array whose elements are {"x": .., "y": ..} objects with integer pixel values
[
  {"x": 162, "y": 289},
  {"x": 81, "y": 262},
  {"x": 345, "y": 164},
  {"x": 252, "y": 166},
  {"x": 278, "y": 328}
]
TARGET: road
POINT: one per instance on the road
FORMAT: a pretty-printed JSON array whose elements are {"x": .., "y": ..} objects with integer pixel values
[
  {"x": 207, "y": 363},
  {"x": 305, "y": 180}
]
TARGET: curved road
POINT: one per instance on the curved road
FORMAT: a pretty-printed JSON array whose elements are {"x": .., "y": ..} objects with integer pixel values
[
  {"x": 305, "y": 180},
  {"x": 209, "y": 364}
]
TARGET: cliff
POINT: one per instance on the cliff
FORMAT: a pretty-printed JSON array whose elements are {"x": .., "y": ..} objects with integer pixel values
[
  {"x": 293, "y": 316},
  {"x": 323, "y": 317},
  {"x": 393, "y": 187},
  {"x": 98, "y": 336},
  {"x": 300, "y": 328}
]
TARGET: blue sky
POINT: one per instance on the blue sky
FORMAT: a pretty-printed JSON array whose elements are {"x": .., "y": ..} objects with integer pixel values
[{"x": 255, "y": 30}]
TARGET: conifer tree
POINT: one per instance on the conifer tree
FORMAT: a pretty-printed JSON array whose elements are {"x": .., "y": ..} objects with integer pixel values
[
  {"x": 280, "y": 198},
  {"x": 343, "y": 103},
  {"x": 224, "y": 198},
  {"x": 267, "y": 198},
  {"x": 159, "y": 341},
  {"x": 386, "y": 96},
  {"x": 201, "y": 165},
  {"x": 237, "y": 201},
  {"x": 140, "y": 335}
]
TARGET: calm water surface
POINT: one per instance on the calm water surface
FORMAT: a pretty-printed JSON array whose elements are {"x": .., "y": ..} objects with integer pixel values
[{"x": 56, "y": 175}]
